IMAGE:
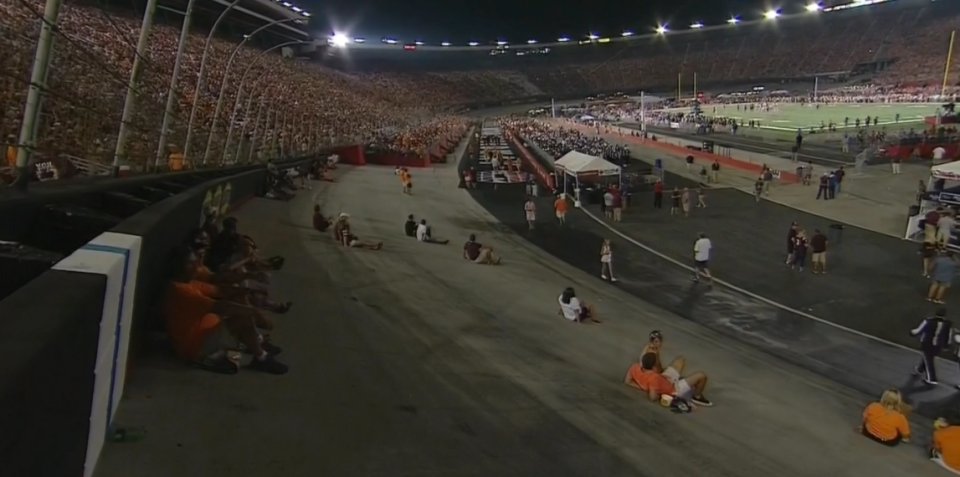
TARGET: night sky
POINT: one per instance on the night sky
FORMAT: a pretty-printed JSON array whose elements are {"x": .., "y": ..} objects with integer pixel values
[{"x": 434, "y": 21}]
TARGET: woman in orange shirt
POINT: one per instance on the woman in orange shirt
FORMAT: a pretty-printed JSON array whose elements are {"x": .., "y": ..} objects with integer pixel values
[
  {"x": 946, "y": 445},
  {"x": 885, "y": 421}
]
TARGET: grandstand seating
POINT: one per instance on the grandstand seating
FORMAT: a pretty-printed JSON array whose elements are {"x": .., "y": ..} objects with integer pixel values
[{"x": 320, "y": 106}]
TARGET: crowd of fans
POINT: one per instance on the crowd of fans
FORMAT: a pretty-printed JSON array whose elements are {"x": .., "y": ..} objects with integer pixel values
[
  {"x": 559, "y": 141},
  {"x": 287, "y": 106},
  {"x": 417, "y": 140}
]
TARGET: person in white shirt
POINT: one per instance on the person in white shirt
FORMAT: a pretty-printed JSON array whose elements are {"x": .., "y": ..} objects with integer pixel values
[
  {"x": 701, "y": 258},
  {"x": 606, "y": 261},
  {"x": 423, "y": 234},
  {"x": 945, "y": 227},
  {"x": 575, "y": 310},
  {"x": 938, "y": 153}
]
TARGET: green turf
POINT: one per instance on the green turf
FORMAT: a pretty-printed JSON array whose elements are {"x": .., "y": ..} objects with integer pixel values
[{"x": 790, "y": 117}]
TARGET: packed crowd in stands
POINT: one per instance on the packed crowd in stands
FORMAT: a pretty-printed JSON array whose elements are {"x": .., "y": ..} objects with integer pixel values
[
  {"x": 559, "y": 141},
  {"x": 416, "y": 140},
  {"x": 296, "y": 106}
]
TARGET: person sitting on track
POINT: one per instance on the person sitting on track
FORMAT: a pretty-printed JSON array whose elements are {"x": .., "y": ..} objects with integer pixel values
[
  {"x": 320, "y": 223},
  {"x": 343, "y": 235},
  {"x": 668, "y": 383},
  {"x": 655, "y": 346},
  {"x": 204, "y": 321},
  {"x": 410, "y": 227},
  {"x": 475, "y": 252},
  {"x": 575, "y": 310},
  {"x": 425, "y": 234},
  {"x": 885, "y": 421},
  {"x": 945, "y": 450}
]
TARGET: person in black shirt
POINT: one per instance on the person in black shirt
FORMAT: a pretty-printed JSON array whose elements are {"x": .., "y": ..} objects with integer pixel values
[
  {"x": 410, "y": 227},
  {"x": 934, "y": 334},
  {"x": 800, "y": 251},
  {"x": 818, "y": 245},
  {"x": 758, "y": 189},
  {"x": 824, "y": 188},
  {"x": 222, "y": 246},
  {"x": 791, "y": 242},
  {"x": 675, "y": 198}
]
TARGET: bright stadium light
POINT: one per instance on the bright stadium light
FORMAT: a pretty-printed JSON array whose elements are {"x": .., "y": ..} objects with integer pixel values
[
  {"x": 771, "y": 14},
  {"x": 339, "y": 40},
  {"x": 446, "y": 43},
  {"x": 531, "y": 42},
  {"x": 563, "y": 39},
  {"x": 359, "y": 40},
  {"x": 814, "y": 7},
  {"x": 501, "y": 43},
  {"x": 306, "y": 14},
  {"x": 628, "y": 33},
  {"x": 593, "y": 36},
  {"x": 662, "y": 29},
  {"x": 473, "y": 43},
  {"x": 696, "y": 25},
  {"x": 733, "y": 20},
  {"x": 418, "y": 43}
]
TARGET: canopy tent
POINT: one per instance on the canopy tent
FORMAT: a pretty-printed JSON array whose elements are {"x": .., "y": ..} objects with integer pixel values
[
  {"x": 575, "y": 164},
  {"x": 949, "y": 171}
]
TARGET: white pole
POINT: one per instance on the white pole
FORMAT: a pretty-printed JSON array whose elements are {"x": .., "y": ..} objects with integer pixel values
[
  {"x": 38, "y": 75},
  {"x": 553, "y": 108},
  {"x": 198, "y": 88},
  {"x": 643, "y": 115},
  {"x": 130, "y": 102},
  {"x": 172, "y": 92},
  {"x": 816, "y": 88}
]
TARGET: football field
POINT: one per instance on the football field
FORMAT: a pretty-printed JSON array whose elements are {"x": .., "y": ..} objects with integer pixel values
[{"x": 789, "y": 117}]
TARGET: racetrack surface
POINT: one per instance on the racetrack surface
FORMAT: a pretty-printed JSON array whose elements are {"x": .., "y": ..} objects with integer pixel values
[
  {"x": 817, "y": 153},
  {"x": 412, "y": 362}
]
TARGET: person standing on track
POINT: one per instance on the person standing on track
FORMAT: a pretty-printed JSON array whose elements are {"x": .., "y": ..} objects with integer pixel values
[
  {"x": 934, "y": 334},
  {"x": 406, "y": 180},
  {"x": 658, "y": 194},
  {"x": 791, "y": 242},
  {"x": 685, "y": 202},
  {"x": 606, "y": 261},
  {"x": 560, "y": 206},
  {"x": 675, "y": 196},
  {"x": 701, "y": 259},
  {"x": 530, "y": 210}
]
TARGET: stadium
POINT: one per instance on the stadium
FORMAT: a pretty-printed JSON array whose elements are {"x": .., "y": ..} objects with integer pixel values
[{"x": 190, "y": 184}]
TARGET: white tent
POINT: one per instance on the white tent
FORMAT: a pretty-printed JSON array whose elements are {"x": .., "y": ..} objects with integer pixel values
[
  {"x": 576, "y": 163},
  {"x": 949, "y": 171}
]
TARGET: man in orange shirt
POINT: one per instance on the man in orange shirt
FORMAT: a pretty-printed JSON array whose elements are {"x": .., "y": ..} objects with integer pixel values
[
  {"x": 561, "y": 207},
  {"x": 12, "y": 150},
  {"x": 406, "y": 181},
  {"x": 203, "y": 323},
  {"x": 645, "y": 377}
]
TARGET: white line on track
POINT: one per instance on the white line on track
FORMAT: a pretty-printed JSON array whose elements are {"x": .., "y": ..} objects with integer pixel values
[{"x": 758, "y": 297}]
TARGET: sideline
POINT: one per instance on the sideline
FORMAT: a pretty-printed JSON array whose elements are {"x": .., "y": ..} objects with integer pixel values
[{"x": 768, "y": 301}]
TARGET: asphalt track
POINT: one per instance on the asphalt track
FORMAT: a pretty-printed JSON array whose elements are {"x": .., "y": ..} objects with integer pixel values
[
  {"x": 817, "y": 153},
  {"x": 412, "y": 362}
]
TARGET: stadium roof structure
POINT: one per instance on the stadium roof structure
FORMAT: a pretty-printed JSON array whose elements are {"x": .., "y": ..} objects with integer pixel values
[{"x": 292, "y": 20}]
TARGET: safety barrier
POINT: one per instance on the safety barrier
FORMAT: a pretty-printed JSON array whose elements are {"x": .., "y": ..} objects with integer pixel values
[
  {"x": 680, "y": 151},
  {"x": 530, "y": 161},
  {"x": 70, "y": 334},
  {"x": 470, "y": 153}
]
